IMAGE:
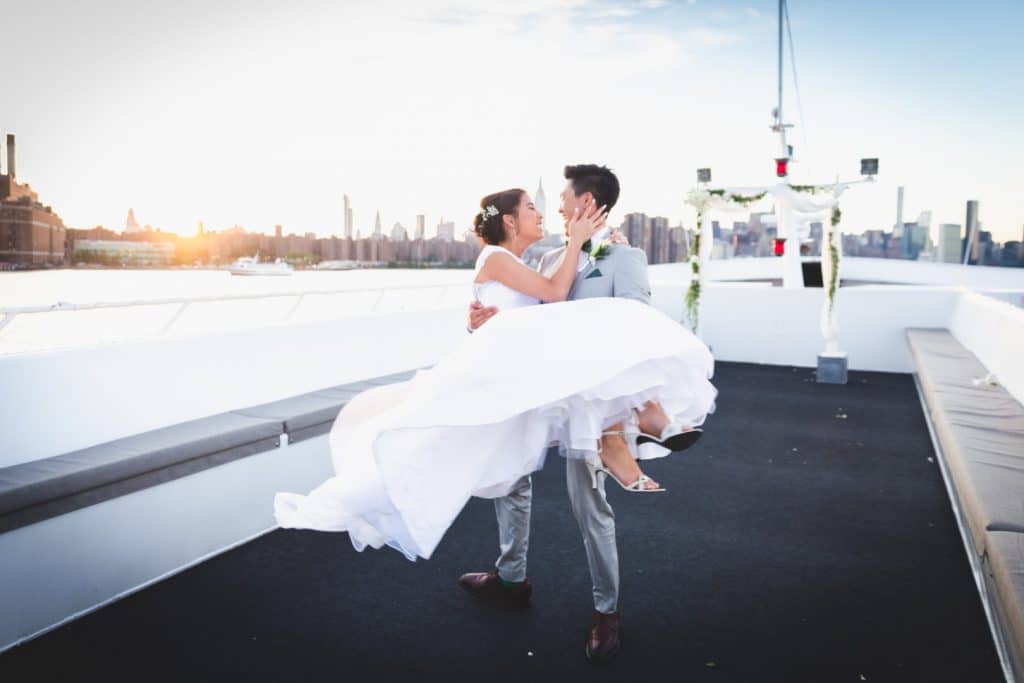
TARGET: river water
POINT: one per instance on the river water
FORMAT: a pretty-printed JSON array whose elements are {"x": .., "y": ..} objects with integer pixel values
[{"x": 47, "y": 287}]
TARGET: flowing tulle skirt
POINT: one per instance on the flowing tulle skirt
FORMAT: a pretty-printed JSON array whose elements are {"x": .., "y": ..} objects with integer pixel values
[{"x": 408, "y": 456}]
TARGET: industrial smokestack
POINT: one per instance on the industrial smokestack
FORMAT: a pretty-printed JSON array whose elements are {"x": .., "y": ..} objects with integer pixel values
[{"x": 10, "y": 155}]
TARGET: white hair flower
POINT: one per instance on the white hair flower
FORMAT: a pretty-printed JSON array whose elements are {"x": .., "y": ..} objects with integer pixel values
[{"x": 488, "y": 211}]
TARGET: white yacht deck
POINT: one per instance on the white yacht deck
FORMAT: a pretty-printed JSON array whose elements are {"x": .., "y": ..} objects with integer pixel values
[{"x": 794, "y": 544}]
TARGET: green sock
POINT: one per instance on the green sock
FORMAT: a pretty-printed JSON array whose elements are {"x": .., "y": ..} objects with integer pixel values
[{"x": 508, "y": 584}]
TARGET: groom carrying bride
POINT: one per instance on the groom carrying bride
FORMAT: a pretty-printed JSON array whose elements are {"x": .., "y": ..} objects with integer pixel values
[
  {"x": 620, "y": 271},
  {"x": 408, "y": 456}
]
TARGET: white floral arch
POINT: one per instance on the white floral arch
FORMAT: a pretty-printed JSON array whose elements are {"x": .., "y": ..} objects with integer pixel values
[{"x": 796, "y": 207}]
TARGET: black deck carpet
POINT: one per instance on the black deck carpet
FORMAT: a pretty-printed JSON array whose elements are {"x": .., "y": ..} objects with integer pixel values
[{"x": 808, "y": 537}]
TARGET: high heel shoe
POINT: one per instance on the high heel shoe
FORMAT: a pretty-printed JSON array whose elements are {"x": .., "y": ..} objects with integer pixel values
[
  {"x": 674, "y": 437},
  {"x": 638, "y": 485}
]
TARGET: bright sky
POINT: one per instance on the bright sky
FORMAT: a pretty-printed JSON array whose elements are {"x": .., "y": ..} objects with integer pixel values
[{"x": 249, "y": 113}]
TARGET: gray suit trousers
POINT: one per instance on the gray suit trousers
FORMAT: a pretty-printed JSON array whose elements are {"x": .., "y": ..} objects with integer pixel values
[
  {"x": 596, "y": 522},
  {"x": 622, "y": 273}
]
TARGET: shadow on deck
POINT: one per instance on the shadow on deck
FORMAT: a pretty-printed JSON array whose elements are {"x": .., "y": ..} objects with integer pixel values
[{"x": 808, "y": 537}]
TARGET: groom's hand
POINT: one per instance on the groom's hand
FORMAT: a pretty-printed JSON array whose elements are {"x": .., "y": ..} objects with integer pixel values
[{"x": 479, "y": 314}]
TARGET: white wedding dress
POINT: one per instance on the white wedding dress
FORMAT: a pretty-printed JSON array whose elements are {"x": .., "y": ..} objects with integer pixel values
[{"x": 408, "y": 456}]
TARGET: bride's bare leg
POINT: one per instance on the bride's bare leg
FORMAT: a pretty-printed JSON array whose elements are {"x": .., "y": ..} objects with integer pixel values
[
  {"x": 652, "y": 419},
  {"x": 616, "y": 457}
]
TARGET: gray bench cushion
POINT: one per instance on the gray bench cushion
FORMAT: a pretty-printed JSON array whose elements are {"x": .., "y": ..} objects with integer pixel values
[
  {"x": 299, "y": 413},
  {"x": 1006, "y": 570},
  {"x": 389, "y": 379},
  {"x": 312, "y": 414},
  {"x": 36, "y": 490},
  {"x": 981, "y": 430},
  {"x": 33, "y": 491}
]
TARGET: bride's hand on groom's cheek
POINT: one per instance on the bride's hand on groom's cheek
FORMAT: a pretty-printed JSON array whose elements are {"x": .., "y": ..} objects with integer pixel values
[{"x": 479, "y": 314}]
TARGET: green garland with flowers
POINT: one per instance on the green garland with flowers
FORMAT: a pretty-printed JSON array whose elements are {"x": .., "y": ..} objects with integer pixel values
[
  {"x": 741, "y": 199},
  {"x": 833, "y": 252},
  {"x": 693, "y": 291},
  {"x": 833, "y": 249},
  {"x": 700, "y": 200}
]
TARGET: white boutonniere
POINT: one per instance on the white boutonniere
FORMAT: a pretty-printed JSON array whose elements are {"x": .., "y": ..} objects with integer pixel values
[{"x": 598, "y": 251}]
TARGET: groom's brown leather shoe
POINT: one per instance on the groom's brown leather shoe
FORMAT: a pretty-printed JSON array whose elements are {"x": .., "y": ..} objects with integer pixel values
[
  {"x": 603, "y": 642},
  {"x": 488, "y": 586}
]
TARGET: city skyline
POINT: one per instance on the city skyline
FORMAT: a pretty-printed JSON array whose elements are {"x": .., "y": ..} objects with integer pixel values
[
  {"x": 37, "y": 234},
  {"x": 207, "y": 124},
  {"x": 934, "y": 229},
  {"x": 34, "y": 233}
]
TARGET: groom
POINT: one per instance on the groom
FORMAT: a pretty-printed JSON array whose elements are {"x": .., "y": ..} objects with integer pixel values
[{"x": 612, "y": 271}]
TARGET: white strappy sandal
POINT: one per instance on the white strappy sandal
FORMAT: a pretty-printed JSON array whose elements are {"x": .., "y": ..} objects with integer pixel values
[{"x": 637, "y": 486}]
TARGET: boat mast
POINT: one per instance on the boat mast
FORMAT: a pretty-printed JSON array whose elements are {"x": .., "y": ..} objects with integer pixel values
[
  {"x": 778, "y": 110},
  {"x": 783, "y": 158}
]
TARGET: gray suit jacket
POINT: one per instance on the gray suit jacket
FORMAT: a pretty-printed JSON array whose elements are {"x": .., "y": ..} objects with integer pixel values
[{"x": 622, "y": 273}]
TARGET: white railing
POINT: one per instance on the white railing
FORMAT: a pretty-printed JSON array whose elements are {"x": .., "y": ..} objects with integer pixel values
[
  {"x": 859, "y": 269},
  {"x": 156, "y": 318}
]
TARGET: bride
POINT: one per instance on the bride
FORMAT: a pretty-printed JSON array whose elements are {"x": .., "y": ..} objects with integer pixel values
[
  {"x": 408, "y": 456},
  {"x": 503, "y": 281}
]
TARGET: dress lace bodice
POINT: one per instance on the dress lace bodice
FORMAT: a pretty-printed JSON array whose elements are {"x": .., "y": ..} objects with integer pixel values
[{"x": 494, "y": 293}]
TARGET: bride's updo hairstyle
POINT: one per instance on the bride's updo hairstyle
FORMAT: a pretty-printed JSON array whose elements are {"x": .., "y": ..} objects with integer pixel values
[{"x": 488, "y": 223}]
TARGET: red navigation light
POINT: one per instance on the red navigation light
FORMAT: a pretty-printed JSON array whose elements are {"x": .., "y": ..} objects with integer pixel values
[
  {"x": 779, "y": 246},
  {"x": 780, "y": 167}
]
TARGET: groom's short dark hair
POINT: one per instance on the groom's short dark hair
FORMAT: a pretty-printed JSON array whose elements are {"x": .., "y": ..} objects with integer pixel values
[{"x": 597, "y": 180}]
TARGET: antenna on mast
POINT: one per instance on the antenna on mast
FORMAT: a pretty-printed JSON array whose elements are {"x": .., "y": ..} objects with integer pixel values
[
  {"x": 785, "y": 150},
  {"x": 778, "y": 109}
]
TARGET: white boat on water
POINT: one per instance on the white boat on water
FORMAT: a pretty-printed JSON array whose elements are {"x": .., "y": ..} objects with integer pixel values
[
  {"x": 250, "y": 265},
  {"x": 337, "y": 265}
]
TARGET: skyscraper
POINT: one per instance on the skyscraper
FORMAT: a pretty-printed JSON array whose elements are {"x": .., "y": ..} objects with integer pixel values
[
  {"x": 649, "y": 233},
  {"x": 657, "y": 249},
  {"x": 1012, "y": 253},
  {"x": 634, "y": 226},
  {"x": 677, "y": 250},
  {"x": 541, "y": 203},
  {"x": 130, "y": 224},
  {"x": 421, "y": 225},
  {"x": 970, "y": 251},
  {"x": 377, "y": 232},
  {"x": 915, "y": 235},
  {"x": 949, "y": 243},
  {"x": 986, "y": 248},
  {"x": 446, "y": 230},
  {"x": 898, "y": 228},
  {"x": 348, "y": 218}
]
